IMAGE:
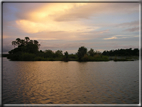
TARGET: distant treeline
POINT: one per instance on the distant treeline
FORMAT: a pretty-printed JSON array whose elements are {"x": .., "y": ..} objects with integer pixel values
[
  {"x": 28, "y": 50},
  {"x": 122, "y": 52}
]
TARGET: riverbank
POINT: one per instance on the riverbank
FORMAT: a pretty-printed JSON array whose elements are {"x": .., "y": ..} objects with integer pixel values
[
  {"x": 123, "y": 58},
  {"x": 73, "y": 58}
]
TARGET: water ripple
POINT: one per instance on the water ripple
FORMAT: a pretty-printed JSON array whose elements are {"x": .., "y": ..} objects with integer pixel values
[{"x": 70, "y": 83}]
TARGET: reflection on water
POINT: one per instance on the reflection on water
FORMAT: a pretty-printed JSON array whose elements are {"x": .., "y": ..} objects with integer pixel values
[{"x": 45, "y": 82}]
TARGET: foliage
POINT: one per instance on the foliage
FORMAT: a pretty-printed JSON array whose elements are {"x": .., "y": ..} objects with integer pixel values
[
  {"x": 28, "y": 50},
  {"x": 122, "y": 52},
  {"x": 66, "y": 58},
  {"x": 85, "y": 58},
  {"x": 38, "y": 58},
  {"x": 91, "y": 52},
  {"x": 25, "y": 45},
  {"x": 49, "y": 54},
  {"x": 81, "y": 52},
  {"x": 73, "y": 57},
  {"x": 22, "y": 57},
  {"x": 27, "y": 57},
  {"x": 58, "y": 53}
]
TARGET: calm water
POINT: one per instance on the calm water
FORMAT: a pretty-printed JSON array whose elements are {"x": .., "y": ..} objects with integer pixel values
[{"x": 47, "y": 82}]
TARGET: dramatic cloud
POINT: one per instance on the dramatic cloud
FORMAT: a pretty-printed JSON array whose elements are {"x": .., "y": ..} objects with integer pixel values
[
  {"x": 46, "y": 16},
  {"x": 35, "y": 27},
  {"x": 88, "y": 10},
  {"x": 70, "y": 25}
]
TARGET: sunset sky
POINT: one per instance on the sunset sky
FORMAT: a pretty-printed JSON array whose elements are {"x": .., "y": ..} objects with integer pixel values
[{"x": 68, "y": 26}]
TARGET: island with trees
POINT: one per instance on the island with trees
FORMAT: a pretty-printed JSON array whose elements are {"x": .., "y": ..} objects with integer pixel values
[{"x": 28, "y": 50}]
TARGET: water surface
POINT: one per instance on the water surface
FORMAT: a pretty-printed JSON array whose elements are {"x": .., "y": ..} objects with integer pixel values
[{"x": 57, "y": 82}]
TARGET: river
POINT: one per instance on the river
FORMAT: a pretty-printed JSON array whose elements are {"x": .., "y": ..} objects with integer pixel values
[{"x": 57, "y": 82}]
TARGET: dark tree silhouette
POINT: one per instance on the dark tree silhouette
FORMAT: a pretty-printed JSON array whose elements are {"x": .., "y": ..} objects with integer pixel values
[
  {"x": 48, "y": 54},
  {"x": 122, "y": 52},
  {"x": 28, "y": 50},
  {"x": 58, "y": 53},
  {"x": 14, "y": 43},
  {"x": 91, "y": 52},
  {"x": 81, "y": 52},
  {"x": 27, "y": 39},
  {"x": 18, "y": 41},
  {"x": 25, "y": 46},
  {"x": 66, "y": 56}
]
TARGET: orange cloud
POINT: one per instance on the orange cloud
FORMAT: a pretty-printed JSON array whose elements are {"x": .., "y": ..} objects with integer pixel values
[
  {"x": 110, "y": 38},
  {"x": 63, "y": 17},
  {"x": 30, "y": 27},
  {"x": 43, "y": 19},
  {"x": 35, "y": 27},
  {"x": 51, "y": 10}
]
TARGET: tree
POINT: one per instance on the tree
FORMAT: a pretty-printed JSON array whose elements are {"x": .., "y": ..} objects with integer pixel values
[
  {"x": 23, "y": 42},
  {"x": 48, "y": 53},
  {"x": 31, "y": 48},
  {"x": 91, "y": 52},
  {"x": 25, "y": 45},
  {"x": 14, "y": 43},
  {"x": 18, "y": 41},
  {"x": 27, "y": 39},
  {"x": 58, "y": 53},
  {"x": 81, "y": 52},
  {"x": 31, "y": 41},
  {"x": 66, "y": 55},
  {"x": 36, "y": 43},
  {"x": 85, "y": 58}
]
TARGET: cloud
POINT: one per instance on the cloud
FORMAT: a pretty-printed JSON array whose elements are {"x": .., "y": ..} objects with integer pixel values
[
  {"x": 128, "y": 24},
  {"x": 134, "y": 29},
  {"x": 123, "y": 37},
  {"x": 57, "y": 16},
  {"x": 31, "y": 27},
  {"x": 96, "y": 9},
  {"x": 71, "y": 36},
  {"x": 74, "y": 22},
  {"x": 45, "y": 12},
  {"x": 42, "y": 19},
  {"x": 35, "y": 27},
  {"x": 110, "y": 38}
]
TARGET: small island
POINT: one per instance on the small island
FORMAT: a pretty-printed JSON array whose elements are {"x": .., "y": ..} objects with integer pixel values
[{"x": 28, "y": 50}]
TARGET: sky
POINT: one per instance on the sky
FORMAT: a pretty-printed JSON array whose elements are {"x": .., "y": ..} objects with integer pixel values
[{"x": 68, "y": 26}]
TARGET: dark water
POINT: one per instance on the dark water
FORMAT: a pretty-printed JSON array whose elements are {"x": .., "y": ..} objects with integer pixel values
[{"x": 43, "y": 82}]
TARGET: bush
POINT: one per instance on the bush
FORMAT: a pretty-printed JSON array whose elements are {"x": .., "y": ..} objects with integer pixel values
[
  {"x": 98, "y": 58},
  {"x": 39, "y": 58},
  {"x": 85, "y": 58},
  {"x": 27, "y": 57},
  {"x": 14, "y": 57},
  {"x": 50, "y": 59}
]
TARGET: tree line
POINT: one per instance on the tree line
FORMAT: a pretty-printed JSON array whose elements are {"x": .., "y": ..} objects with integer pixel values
[
  {"x": 122, "y": 52},
  {"x": 28, "y": 50}
]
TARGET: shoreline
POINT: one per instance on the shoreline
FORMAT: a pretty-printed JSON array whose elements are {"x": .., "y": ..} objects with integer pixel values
[{"x": 110, "y": 58}]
